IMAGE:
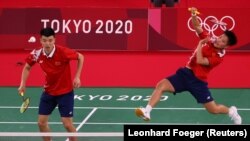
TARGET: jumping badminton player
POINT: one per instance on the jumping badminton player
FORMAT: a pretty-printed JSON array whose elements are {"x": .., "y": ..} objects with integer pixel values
[
  {"x": 58, "y": 89},
  {"x": 193, "y": 77}
]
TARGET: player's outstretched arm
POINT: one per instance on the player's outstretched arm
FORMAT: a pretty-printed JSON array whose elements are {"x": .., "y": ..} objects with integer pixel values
[{"x": 195, "y": 22}]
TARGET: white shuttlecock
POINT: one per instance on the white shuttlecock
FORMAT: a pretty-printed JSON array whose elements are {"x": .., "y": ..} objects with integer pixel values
[{"x": 32, "y": 39}]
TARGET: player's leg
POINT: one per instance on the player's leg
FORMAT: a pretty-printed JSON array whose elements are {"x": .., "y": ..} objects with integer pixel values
[
  {"x": 46, "y": 106},
  {"x": 215, "y": 108},
  {"x": 43, "y": 125},
  {"x": 66, "y": 109},
  {"x": 161, "y": 87},
  {"x": 173, "y": 84},
  {"x": 200, "y": 91},
  {"x": 68, "y": 125}
]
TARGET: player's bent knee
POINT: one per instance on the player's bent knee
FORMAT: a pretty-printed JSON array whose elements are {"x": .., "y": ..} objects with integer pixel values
[
  {"x": 164, "y": 85},
  {"x": 42, "y": 124},
  {"x": 68, "y": 125}
]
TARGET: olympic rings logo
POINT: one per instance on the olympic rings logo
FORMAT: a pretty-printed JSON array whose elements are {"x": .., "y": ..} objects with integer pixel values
[{"x": 211, "y": 24}]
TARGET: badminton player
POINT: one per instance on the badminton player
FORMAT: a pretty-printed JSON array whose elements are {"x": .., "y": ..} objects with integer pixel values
[
  {"x": 54, "y": 60},
  {"x": 193, "y": 76}
]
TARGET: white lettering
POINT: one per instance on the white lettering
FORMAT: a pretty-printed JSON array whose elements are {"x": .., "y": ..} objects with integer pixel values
[
  {"x": 77, "y": 24},
  {"x": 105, "y": 97},
  {"x": 44, "y": 21},
  {"x": 92, "y": 97},
  {"x": 55, "y": 24},
  {"x": 214, "y": 132},
  {"x": 78, "y": 97},
  {"x": 191, "y": 134},
  {"x": 66, "y": 26},
  {"x": 102, "y": 27},
  {"x": 150, "y": 132}
]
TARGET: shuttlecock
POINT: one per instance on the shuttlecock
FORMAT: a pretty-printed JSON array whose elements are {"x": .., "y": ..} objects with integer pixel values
[{"x": 32, "y": 39}]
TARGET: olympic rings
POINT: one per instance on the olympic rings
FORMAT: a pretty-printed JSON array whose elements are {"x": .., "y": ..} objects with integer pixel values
[{"x": 214, "y": 24}]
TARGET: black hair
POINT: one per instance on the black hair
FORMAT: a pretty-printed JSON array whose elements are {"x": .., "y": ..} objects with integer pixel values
[
  {"x": 232, "y": 39},
  {"x": 48, "y": 31}
]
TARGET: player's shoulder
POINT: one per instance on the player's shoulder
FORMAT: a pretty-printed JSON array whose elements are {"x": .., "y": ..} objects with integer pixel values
[
  {"x": 36, "y": 51},
  {"x": 35, "y": 54},
  {"x": 60, "y": 47},
  {"x": 63, "y": 50}
]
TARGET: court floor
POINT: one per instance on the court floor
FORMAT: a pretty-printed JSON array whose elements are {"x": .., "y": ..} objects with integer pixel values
[{"x": 102, "y": 110}]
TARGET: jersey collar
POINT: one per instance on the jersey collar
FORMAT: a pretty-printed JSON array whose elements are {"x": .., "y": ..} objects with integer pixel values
[
  {"x": 221, "y": 53},
  {"x": 51, "y": 54}
]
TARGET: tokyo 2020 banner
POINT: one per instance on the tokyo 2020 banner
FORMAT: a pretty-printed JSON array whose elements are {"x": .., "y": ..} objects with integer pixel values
[{"x": 120, "y": 29}]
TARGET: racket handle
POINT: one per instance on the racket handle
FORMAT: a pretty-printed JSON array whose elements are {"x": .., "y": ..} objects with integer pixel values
[{"x": 196, "y": 12}]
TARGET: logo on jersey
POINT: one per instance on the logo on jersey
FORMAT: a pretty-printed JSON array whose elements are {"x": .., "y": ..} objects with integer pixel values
[
  {"x": 40, "y": 61},
  {"x": 57, "y": 63}
]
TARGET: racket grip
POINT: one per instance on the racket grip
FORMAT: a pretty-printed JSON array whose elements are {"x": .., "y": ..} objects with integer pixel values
[{"x": 195, "y": 12}]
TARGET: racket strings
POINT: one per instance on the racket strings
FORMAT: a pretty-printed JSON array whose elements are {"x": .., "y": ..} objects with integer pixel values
[{"x": 25, "y": 105}]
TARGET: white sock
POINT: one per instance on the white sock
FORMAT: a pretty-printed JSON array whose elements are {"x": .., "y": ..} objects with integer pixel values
[
  {"x": 148, "y": 108},
  {"x": 230, "y": 112}
]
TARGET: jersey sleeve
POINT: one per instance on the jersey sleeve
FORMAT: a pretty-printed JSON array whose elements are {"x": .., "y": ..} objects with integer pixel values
[
  {"x": 203, "y": 35},
  {"x": 32, "y": 58}
]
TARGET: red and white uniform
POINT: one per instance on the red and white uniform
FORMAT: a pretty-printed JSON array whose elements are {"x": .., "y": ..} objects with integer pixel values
[
  {"x": 56, "y": 67},
  {"x": 213, "y": 55}
]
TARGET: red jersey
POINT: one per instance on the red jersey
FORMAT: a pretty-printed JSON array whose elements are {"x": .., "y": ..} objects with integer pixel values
[
  {"x": 213, "y": 55},
  {"x": 56, "y": 67}
]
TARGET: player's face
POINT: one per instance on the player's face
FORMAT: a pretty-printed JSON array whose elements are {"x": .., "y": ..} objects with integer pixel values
[
  {"x": 47, "y": 43},
  {"x": 221, "y": 42}
]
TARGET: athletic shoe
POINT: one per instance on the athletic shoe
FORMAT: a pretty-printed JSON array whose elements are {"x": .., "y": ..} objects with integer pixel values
[
  {"x": 141, "y": 112},
  {"x": 234, "y": 115}
]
